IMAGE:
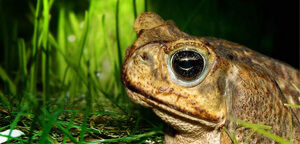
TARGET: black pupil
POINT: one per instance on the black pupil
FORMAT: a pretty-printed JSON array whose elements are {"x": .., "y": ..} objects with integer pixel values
[{"x": 187, "y": 64}]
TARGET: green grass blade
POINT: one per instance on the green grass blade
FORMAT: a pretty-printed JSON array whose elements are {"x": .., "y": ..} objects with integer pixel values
[
  {"x": 51, "y": 3},
  {"x": 46, "y": 20},
  {"x": 106, "y": 40},
  {"x": 112, "y": 57},
  {"x": 74, "y": 23},
  {"x": 134, "y": 8},
  {"x": 23, "y": 68},
  {"x": 78, "y": 127},
  {"x": 249, "y": 136},
  {"x": 146, "y": 5},
  {"x": 34, "y": 122},
  {"x": 261, "y": 129},
  {"x": 15, "y": 122},
  {"x": 34, "y": 52},
  {"x": 254, "y": 126},
  {"x": 68, "y": 126},
  {"x": 47, "y": 125},
  {"x": 273, "y": 136},
  {"x": 22, "y": 57},
  {"x": 36, "y": 135},
  {"x": 130, "y": 138},
  {"x": 74, "y": 65},
  {"x": 49, "y": 140},
  {"x": 84, "y": 125},
  {"x": 292, "y": 105},
  {"x": 61, "y": 39},
  {"x": 45, "y": 55},
  {"x": 88, "y": 106},
  {"x": 83, "y": 39},
  {"x": 67, "y": 133},
  {"x": 232, "y": 137},
  {"x": 120, "y": 60},
  {"x": 62, "y": 87},
  {"x": 4, "y": 128},
  {"x": 4, "y": 100},
  {"x": 5, "y": 78},
  {"x": 13, "y": 138}
]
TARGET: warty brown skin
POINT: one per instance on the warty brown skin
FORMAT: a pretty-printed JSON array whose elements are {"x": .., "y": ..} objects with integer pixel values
[{"x": 239, "y": 83}]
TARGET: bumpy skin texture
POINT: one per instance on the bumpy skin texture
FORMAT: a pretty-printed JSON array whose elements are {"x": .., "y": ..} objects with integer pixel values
[{"x": 240, "y": 83}]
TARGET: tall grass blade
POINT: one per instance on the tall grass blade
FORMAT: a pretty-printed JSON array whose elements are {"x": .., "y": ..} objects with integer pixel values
[
  {"x": 3, "y": 100},
  {"x": 292, "y": 105},
  {"x": 134, "y": 8},
  {"x": 146, "y": 5},
  {"x": 5, "y": 78},
  {"x": 88, "y": 105},
  {"x": 83, "y": 39},
  {"x": 34, "y": 52},
  {"x": 249, "y": 136},
  {"x": 261, "y": 129},
  {"x": 47, "y": 125},
  {"x": 23, "y": 92},
  {"x": 45, "y": 55},
  {"x": 67, "y": 133},
  {"x": 74, "y": 23},
  {"x": 15, "y": 122},
  {"x": 120, "y": 60},
  {"x": 130, "y": 138},
  {"x": 68, "y": 126},
  {"x": 13, "y": 138},
  {"x": 232, "y": 137},
  {"x": 61, "y": 39},
  {"x": 22, "y": 58}
]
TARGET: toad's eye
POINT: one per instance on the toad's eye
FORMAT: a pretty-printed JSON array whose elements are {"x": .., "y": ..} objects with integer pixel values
[{"x": 187, "y": 64}]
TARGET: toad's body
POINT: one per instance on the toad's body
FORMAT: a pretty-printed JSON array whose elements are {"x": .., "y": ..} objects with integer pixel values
[{"x": 232, "y": 82}]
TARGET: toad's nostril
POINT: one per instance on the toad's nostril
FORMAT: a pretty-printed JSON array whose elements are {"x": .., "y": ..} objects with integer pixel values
[{"x": 144, "y": 56}]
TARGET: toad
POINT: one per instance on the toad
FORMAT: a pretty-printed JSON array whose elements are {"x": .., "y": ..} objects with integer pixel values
[{"x": 196, "y": 85}]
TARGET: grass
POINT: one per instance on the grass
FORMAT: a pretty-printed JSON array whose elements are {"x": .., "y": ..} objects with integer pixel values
[
  {"x": 78, "y": 66},
  {"x": 256, "y": 128},
  {"x": 67, "y": 86}
]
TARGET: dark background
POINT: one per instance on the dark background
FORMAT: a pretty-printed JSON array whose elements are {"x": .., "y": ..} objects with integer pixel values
[{"x": 270, "y": 27}]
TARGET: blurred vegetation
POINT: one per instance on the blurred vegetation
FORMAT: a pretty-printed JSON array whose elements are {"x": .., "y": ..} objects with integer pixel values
[
  {"x": 60, "y": 61},
  {"x": 60, "y": 71}
]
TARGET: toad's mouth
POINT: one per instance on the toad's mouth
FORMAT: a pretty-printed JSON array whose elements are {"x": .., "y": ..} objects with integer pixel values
[{"x": 149, "y": 101}]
